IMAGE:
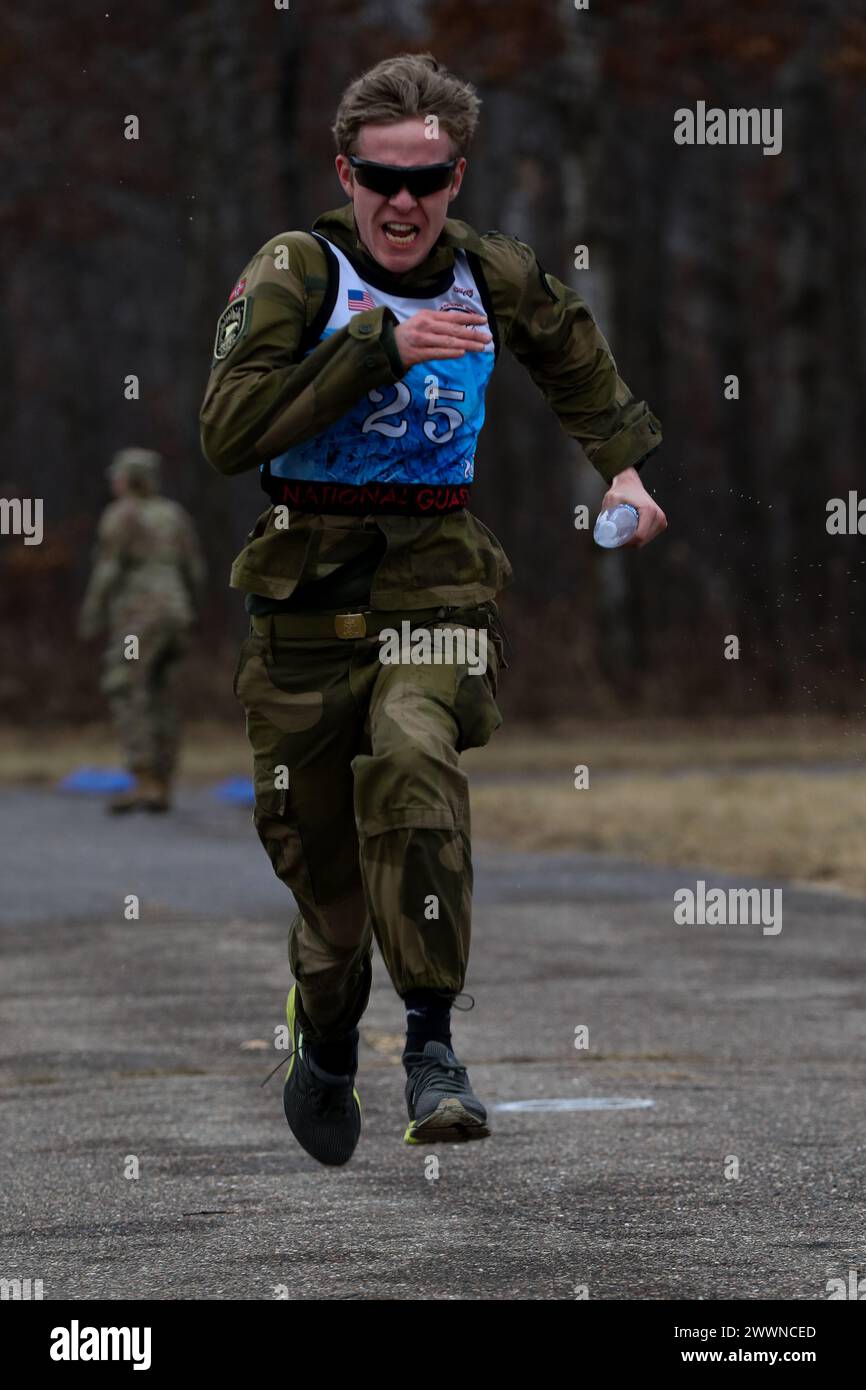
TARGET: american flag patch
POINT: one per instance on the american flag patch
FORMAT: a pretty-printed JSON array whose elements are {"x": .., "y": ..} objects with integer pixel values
[{"x": 359, "y": 299}]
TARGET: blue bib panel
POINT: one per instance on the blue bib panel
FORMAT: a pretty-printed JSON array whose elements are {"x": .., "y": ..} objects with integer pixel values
[{"x": 421, "y": 431}]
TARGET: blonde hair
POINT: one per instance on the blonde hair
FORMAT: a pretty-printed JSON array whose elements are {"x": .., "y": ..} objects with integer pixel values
[{"x": 412, "y": 84}]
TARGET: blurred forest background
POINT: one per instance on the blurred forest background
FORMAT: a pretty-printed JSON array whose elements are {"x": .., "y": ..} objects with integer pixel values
[{"x": 118, "y": 257}]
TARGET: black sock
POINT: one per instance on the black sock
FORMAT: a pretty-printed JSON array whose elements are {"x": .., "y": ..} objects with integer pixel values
[
  {"x": 337, "y": 1056},
  {"x": 428, "y": 1017}
]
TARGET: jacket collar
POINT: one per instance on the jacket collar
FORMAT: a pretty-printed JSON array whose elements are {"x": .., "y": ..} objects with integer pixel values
[{"x": 339, "y": 226}]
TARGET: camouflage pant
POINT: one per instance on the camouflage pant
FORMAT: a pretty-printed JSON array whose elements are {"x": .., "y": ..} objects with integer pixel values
[
  {"x": 371, "y": 833},
  {"x": 141, "y": 698}
]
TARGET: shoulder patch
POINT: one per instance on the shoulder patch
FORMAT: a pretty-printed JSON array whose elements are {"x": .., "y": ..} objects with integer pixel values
[{"x": 230, "y": 327}]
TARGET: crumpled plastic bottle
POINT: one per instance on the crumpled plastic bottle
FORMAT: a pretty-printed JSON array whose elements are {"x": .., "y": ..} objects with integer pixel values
[{"x": 615, "y": 525}]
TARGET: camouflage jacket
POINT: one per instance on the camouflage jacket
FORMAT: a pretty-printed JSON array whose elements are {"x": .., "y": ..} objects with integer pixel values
[
  {"x": 148, "y": 568},
  {"x": 263, "y": 396}
]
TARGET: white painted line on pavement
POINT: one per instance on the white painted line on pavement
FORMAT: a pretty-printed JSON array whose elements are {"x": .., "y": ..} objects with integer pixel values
[{"x": 577, "y": 1103}]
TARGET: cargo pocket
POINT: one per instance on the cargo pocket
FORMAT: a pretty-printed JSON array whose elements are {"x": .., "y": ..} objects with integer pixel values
[
  {"x": 497, "y": 638},
  {"x": 475, "y": 708},
  {"x": 270, "y": 683},
  {"x": 253, "y": 690},
  {"x": 281, "y": 839}
]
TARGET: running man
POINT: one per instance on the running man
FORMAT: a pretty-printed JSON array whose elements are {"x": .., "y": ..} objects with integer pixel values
[{"x": 350, "y": 366}]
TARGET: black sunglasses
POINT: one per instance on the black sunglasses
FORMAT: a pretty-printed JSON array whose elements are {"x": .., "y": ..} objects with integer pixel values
[{"x": 387, "y": 179}]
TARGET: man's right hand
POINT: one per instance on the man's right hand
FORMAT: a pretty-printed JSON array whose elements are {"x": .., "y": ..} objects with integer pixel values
[{"x": 440, "y": 333}]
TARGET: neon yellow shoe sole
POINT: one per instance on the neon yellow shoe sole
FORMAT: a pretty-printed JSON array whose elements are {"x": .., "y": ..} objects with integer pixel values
[{"x": 450, "y": 1123}]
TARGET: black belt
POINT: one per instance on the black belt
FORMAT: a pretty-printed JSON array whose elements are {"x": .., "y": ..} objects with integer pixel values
[{"x": 365, "y": 623}]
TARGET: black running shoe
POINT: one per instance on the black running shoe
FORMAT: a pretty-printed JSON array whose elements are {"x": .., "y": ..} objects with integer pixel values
[
  {"x": 442, "y": 1106},
  {"x": 323, "y": 1111}
]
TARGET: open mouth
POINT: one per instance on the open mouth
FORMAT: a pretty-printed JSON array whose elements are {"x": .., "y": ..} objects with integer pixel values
[{"x": 400, "y": 233}]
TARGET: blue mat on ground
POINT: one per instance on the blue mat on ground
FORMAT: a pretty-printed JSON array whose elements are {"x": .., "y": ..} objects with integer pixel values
[
  {"x": 96, "y": 779},
  {"x": 238, "y": 791}
]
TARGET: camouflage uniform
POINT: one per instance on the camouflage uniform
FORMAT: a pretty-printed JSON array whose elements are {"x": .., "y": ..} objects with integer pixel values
[
  {"x": 371, "y": 832},
  {"x": 148, "y": 576}
]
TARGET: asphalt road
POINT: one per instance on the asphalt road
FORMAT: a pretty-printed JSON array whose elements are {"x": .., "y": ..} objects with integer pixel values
[{"x": 147, "y": 1040}]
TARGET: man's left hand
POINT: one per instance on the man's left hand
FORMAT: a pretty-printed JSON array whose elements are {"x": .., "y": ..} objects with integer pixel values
[{"x": 627, "y": 487}]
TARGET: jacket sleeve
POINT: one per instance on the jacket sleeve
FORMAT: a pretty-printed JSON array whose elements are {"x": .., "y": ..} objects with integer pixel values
[
  {"x": 554, "y": 335},
  {"x": 263, "y": 395}
]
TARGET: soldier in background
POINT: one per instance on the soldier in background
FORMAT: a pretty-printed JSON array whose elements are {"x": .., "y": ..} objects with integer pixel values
[{"x": 147, "y": 581}]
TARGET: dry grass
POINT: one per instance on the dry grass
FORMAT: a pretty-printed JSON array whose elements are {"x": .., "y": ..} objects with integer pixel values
[
  {"x": 775, "y": 798},
  {"x": 650, "y": 745},
  {"x": 210, "y": 752},
  {"x": 802, "y": 825}
]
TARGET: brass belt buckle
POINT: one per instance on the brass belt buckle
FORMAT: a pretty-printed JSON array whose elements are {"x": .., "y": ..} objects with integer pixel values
[{"x": 350, "y": 625}]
